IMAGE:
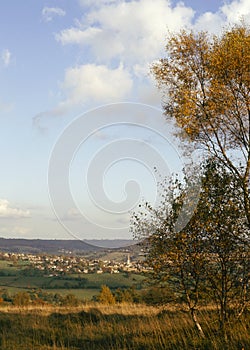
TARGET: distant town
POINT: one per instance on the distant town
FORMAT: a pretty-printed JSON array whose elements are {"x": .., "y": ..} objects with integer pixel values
[{"x": 54, "y": 265}]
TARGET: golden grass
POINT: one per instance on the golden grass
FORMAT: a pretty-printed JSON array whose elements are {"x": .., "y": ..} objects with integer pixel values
[
  {"x": 123, "y": 309},
  {"x": 116, "y": 327}
]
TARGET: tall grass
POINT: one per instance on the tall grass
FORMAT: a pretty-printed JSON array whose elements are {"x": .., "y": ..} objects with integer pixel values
[{"x": 118, "y": 327}]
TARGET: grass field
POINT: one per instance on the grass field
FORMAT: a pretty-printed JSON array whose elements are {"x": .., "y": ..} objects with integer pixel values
[
  {"x": 90, "y": 281},
  {"x": 95, "y": 326},
  {"x": 82, "y": 286},
  {"x": 118, "y": 327},
  {"x": 81, "y": 294}
]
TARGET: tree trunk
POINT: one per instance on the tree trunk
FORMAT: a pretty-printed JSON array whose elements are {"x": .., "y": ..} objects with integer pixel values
[
  {"x": 246, "y": 199},
  {"x": 196, "y": 323}
]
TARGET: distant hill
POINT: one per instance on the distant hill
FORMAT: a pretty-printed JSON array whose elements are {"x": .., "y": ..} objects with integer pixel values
[{"x": 19, "y": 245}]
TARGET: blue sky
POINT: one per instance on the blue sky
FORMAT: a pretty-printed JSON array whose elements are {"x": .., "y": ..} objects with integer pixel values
[{"x": 58, "y": 60}]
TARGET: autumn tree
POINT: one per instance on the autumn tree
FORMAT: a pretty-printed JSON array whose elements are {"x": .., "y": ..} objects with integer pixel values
[
  {"x": 220, "y": 213},
  {"x": 206, "y": 85},
  {"x": 124, "y": 295},
  {"x": 176, "y": 257},
  {"x": 106, "y": 296},
  {"x": 209, "y": 257}
]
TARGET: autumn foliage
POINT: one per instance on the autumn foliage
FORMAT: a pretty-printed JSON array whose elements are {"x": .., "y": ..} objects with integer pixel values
[{"x": 206, "y": 85}]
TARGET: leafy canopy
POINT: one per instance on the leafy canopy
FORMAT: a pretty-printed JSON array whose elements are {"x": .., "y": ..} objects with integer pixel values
[{"x": 206, "y": 84}]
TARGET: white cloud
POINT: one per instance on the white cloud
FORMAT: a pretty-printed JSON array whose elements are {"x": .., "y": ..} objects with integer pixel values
[
  {"x": 128, "y": 34},
  {"x": 15, "y": 231},
  {"x": 20, "y": 230},
  {"x": 210, "y": 22},
  {"x": 131, "y": 35},
  {"x": 95, "y": 83},
  {"x": 228, "y": 14},
  {"x": 97, "y": 3},
  {"x": 89, "y": 84},
  {"x": 6, "y": 56},
  {"x": 49, "y": 13},
  {"x": 76, "y": 35},
  {"x": 134, "y": 32},
  {"x": 128, "y": 31},
  {"x": 236, "y": 10},
  {"x": 72, "y": 214},
  {"x": 6, "y": 211}
]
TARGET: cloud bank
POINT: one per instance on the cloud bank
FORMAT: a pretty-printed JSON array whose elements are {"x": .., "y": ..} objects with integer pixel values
[
  {"x": 9, "y": 212},
  {"x": 117, "y": 42}
]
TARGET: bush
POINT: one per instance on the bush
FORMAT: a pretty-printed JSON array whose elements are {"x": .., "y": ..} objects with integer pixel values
[
  {"x": 21, "y": 299},
  {"x": 106, "y": 296},
  {"x": 158, "y": 296},
  {"x": 70, "y": 300},
  {"x": 128, "y": 295}
]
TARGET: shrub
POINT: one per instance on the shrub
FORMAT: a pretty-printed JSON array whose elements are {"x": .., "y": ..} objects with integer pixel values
[
  {"x": 21, "y": 299},
  {"x": 106, "y": 296}
]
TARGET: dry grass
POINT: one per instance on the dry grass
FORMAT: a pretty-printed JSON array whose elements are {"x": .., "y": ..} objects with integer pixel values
[
  {"x": 116, "y": 327},
  {"x": 123, "y": 309}
]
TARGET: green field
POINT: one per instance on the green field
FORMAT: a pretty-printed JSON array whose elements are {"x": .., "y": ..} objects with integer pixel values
[
  {"x": 19, "y": 277},
  {"x": 81, "y": 294}
]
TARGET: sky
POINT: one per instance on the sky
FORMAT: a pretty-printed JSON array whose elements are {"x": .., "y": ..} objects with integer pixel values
[{"x": 81, "y": 120}]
